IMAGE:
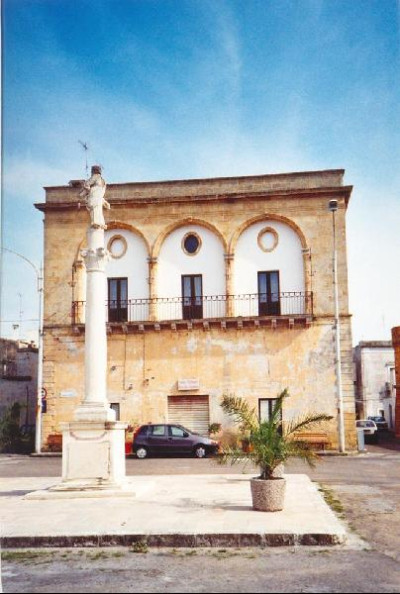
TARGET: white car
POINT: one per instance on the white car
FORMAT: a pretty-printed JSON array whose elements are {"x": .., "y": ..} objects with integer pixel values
[{"x": 369, "y": 427}]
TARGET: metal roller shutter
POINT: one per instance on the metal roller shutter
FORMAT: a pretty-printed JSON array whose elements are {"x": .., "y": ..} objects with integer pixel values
[{"x": 190, "y": 411}]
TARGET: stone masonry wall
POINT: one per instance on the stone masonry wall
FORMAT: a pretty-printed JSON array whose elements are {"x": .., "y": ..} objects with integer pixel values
[
  {"x": 255, "y": 362},
  {"x": 144, "y": 368}
]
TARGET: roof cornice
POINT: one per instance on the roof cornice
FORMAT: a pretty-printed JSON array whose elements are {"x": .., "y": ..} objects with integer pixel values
[{"x": 337, "y": 191}]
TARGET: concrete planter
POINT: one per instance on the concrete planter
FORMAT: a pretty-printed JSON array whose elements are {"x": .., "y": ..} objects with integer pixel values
[{"x": 268, "y": 495}]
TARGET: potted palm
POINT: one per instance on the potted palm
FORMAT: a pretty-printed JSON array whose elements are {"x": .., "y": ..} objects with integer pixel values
[{"x": 271, "y": 443}]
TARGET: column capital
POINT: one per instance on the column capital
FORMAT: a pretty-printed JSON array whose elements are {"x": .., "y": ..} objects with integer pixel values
[{"x": 95, "y": 259}]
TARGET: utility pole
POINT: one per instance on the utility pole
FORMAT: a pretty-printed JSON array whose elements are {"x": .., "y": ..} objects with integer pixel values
[{"x": 333, "y": 206}]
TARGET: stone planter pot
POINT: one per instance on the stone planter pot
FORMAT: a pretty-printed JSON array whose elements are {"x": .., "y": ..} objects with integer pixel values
[{"x": 268, "y": 495}]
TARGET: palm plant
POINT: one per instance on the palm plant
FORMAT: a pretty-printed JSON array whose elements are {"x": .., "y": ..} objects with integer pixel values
[{"x": 271, "y": 442}]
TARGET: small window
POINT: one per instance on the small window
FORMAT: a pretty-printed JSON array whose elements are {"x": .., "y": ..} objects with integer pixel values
[
  {"x": 265, "y": 408},
  {"x": 191, "y": 244},
  {"x": 116, "y": 406}
]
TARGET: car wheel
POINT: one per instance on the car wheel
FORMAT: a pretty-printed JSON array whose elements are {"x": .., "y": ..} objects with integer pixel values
[
  {"x": 200, "y": 451},
  {"x": 142, "y": 453}
]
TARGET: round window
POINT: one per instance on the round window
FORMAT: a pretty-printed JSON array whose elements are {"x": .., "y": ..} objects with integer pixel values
[
  {"x": 191, "y": 243},
  {"x": 268, "y": 239},
  {"x": 117, "y": 246}
]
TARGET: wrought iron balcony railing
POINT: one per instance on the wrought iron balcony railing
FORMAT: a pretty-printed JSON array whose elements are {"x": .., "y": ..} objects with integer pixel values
[{"x": 206, "y": 307}]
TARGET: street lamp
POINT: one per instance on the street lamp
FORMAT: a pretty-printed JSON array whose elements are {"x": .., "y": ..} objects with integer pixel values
[
  {"x": 39, "y": 278},
  {"x": 333, "y": 206}
]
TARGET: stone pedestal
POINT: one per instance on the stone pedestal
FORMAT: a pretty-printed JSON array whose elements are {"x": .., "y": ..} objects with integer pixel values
[{"x": 93, "y": 456}]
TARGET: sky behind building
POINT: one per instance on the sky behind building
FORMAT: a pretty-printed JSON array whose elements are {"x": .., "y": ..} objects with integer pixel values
[{"x": 171, "y": 89}]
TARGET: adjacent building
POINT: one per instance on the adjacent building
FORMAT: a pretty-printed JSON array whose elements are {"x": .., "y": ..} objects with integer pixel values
[
  {"x": 18, "y": 379},
  {"x": 375, "y": 380},
  {"x": 396, "y": 346},
  {"x": 215, "y": 286}
]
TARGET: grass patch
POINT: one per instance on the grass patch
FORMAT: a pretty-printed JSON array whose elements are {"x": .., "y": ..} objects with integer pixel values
[
  {"x": 118, "y": 554},
  {"x": 332, "y": 500},
  {"x": 26, "y": 556},
  {"x": 140, "y": 547},
  {"x": 97, "y": 556}
]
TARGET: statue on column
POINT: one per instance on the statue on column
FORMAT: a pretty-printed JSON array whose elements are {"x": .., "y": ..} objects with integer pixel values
[{"x": 93, "y": 190}]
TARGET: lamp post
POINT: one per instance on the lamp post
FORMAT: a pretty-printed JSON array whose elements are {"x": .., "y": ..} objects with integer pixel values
[
  {"x": 333, "y": 206},
  {"x": 39, "y": 278}
]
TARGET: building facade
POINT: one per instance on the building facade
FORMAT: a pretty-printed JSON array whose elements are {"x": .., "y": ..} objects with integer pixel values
[
  {"x": 18, "y": 379},
  {"x": 396, "y": 346},
  {"x": 374, "y": 372},
  {"x": 214, "y": 286}
]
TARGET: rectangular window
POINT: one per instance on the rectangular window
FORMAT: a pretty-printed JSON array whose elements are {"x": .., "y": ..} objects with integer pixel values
[
  {"x": 268, "y": 293},
  {"x": 265, "y": 408},
  {"x": 192, "y": 296},
  {"x": 117, "y": 299}
]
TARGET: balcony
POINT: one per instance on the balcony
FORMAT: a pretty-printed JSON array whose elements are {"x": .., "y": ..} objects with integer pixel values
[{"x": 255, "y": 309}]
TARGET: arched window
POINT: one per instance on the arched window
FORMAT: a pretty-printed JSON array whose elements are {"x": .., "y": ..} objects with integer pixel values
[
  {"x": 269, "y": 276},
  {"x": 191, "y": 274}
]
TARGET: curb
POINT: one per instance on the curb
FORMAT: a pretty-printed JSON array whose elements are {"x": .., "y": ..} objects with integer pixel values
[{"x": 173, "y": 540}]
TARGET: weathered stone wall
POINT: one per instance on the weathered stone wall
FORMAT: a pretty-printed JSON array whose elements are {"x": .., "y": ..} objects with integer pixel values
[
  {"x": 256, "y": 362},
  {"x": 144, "y": 369},
  {"x": 65, "y": 234}
]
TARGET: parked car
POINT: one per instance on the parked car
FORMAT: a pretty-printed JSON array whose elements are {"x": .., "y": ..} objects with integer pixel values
[
  {"x": 171, "y": 439},
  {"x": 370, "y": 429},
  {"x": 380, "y": 423}
]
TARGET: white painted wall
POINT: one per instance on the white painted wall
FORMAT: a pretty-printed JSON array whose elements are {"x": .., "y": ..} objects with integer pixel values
[
  {"x": 173, "y": 262},
  {"x": 375, "y": 365},
  {"x": 133, "y": 265},
  {"x": 250, "y": 259}
]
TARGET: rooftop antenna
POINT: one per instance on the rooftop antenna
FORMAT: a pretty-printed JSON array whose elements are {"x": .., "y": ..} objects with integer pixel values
[{"x": 85, "y": 147}]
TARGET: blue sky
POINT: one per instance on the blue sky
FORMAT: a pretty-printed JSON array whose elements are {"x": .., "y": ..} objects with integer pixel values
[{"x": 169, "y": 89}]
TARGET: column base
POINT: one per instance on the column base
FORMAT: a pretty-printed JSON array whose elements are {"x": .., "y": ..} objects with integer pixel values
[
  {"x": 94, "y": 412},
  {"x": 93, "y": 456}
]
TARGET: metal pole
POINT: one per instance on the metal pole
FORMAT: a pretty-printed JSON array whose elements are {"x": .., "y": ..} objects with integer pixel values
[
  {"x": 333, "y": 205},
  {"x": 38, "y": 432}
]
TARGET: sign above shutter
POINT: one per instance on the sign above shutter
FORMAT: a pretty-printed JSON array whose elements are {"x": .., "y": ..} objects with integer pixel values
[{"x": 188, "y": 384}]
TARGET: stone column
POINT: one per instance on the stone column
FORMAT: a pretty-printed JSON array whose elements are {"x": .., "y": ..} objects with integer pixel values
[
  {"x": 79, "y": 291},
  {"x": 152, "y": 289},
  {"x": 94, "y": 443},
  {"x": 230, "y": 306},
  {"x": 95, "y": 406}
]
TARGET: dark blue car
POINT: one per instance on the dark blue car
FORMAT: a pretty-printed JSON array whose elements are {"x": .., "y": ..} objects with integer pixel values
[{"x": 171, "y": 439}]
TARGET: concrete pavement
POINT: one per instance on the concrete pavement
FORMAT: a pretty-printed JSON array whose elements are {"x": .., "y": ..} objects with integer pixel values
[{"x": 169, "y": 511}]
